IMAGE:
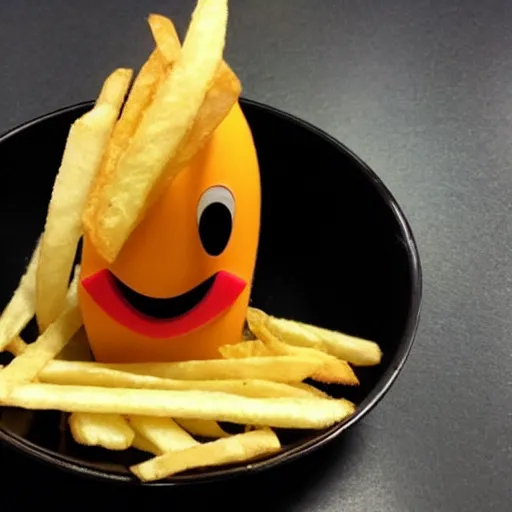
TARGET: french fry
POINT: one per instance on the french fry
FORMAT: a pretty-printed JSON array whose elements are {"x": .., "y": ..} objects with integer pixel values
[
  {"x": 114, "y": 89},
  {"x": 76, "y": 374},
  {"x": 110, "y": 431},
  {"x": 218, "y": 101},
  {"x": 293, "y": 413},
  {"x": 249, "y": 348},
  {"x": 202, "y": 428},
  {"x": 141, "y": 95},
  {"x": 114, "y": 426},
  {"x": 17, "y": 346},
  {"x": 274, "y": 368},
  {"x": 76, "y": 350},
  {"x": 163, "y": 433},
  {"x": 21, "y": 308},
  {"x": 137, "y": 100},
  {"x": 239, "y": 448},
  {"x": 166, "y": 122},
  {"x": 333, "y": 370},
  {"x": 356, "y": 351},
  {"x": 85, "y": 147},
  {"x": 166, "y": 38},
  {"x": 144, "y": 445},
  {"x": 27, "y": 366}
]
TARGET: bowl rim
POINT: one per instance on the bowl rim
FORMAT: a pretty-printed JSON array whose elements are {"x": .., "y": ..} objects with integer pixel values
[{"x": 375, "y": 396}]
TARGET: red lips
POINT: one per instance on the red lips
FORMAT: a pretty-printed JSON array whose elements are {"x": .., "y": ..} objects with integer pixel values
[{"x": 224, "y": 290}]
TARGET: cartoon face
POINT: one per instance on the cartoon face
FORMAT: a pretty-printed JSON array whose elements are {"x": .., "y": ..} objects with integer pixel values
[{"x": 180, "y": 287}]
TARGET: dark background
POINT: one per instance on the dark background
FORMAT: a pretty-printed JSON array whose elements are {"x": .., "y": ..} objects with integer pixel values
[{"x": 421, "y": 90}]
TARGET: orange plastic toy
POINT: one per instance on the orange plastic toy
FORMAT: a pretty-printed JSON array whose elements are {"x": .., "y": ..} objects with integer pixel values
[{"x": 181, "y": 284}]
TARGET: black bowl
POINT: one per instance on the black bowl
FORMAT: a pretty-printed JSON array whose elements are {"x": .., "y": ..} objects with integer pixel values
[{"x": 336, "y": 251}]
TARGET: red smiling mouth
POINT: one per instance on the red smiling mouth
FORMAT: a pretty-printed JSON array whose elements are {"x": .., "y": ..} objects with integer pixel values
[{"x": 168, "y": 317}]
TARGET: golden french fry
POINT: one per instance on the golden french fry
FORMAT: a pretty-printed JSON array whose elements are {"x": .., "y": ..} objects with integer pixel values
[
  {"x": 21, "y": 308},
  {"x": 166, "y": 122},
  {"x": 163, "y": 433},
  {"x": 144, "y": 87},
  {"x": 218, "y": 102},
  {"x": 299, "y": 413},
  {"x": 76, "y": 374},
  {"x": 109, "y": 431},
  {"x": 219, "y": 99},
  {"x": 249, "y": 348},
  {"x": 165, "y": 36},
  {"x": 141, "y": 95},
  {"x": 239, "y": 448},
  {"x": 27, "y": 366},
  {"x": 333, "y": 370},
  {"x": 356, "y": 351},
  {"x": 114, "y": 89},
  {"x": 85, "y": 146},
  {"x": 144, "y": 445},
  {"x": 17, "y": 346},
  {"x": 273, "y": 368},
  {"x": 202, "y": 428}
]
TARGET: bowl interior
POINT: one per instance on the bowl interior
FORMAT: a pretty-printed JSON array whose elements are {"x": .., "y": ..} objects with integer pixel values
[{"x": 335, "y": 251}]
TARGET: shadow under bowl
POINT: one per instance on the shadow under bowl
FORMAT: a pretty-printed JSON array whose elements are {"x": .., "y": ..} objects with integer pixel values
[{"x": 335, "y": 250}]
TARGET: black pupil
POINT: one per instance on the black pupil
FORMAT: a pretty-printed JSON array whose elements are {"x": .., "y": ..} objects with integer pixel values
[{"x": 215, "y": 227}]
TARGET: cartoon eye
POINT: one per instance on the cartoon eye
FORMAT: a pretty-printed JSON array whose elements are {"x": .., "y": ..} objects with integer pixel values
[{"x": 215, "y": 213}]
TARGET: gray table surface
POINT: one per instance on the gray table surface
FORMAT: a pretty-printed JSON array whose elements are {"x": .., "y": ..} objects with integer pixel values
[{"x": 421, "y": 90}]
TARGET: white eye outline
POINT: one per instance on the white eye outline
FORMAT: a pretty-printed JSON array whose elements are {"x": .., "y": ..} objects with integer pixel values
[{"x": 216, "y": 194}]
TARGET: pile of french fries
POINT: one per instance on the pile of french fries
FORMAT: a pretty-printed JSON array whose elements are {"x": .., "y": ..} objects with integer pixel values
[{"x": 117, "y": 157}]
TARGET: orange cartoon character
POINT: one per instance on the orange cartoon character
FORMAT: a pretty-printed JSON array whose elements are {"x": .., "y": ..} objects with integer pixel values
[
  {"x": 160, "y": 180},
  {"x": 172, "y": 220}
]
